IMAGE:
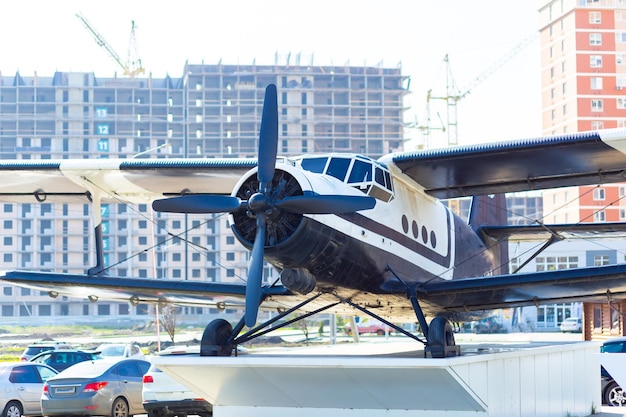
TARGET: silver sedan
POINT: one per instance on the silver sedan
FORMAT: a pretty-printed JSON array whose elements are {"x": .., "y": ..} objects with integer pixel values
[{"x": 101, "y": 387}]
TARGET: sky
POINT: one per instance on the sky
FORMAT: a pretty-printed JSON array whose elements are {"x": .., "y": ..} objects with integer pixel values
[{"x": 43, "y": 36}]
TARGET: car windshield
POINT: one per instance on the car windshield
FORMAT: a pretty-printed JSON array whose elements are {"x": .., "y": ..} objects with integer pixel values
[{"x": 112, "y": 351}]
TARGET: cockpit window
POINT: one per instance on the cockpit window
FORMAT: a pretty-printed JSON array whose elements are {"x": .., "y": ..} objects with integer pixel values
[
  {"x": 380, "y": 176},
  {"x": 338, "y": 168},
  {"x": 361, "y": 172},
  {"x": 316, "y": 165}
]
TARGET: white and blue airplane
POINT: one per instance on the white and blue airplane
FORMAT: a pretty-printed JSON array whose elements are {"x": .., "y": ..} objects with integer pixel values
[{"x": 347, "y": 233}]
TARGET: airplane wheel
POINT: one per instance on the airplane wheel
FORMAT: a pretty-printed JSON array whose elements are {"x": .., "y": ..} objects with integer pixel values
[
  {"x": 441, "y": 338},
  {"x": 215, "y": 339}
]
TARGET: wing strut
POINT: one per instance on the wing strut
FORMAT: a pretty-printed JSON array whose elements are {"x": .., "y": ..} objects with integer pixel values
[
  {"x": 96, "y": 207},
  {"x": 554, "y": 237}
]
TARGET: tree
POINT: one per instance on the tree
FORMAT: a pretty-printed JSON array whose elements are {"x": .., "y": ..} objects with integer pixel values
[{"x": 168, "y": 316}]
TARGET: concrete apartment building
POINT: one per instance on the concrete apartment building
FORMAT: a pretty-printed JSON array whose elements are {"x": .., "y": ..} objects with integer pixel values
[{"x": 210, "y": 111}]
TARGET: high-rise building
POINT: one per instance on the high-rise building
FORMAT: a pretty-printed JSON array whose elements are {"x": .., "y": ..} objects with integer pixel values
[
  {"x": 583, "y": 57},
  {"x": 210, "y": 111},
  {"x": 583, "y": 65}
]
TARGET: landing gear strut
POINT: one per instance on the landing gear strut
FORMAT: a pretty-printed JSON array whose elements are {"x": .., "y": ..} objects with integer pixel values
[{"x": 220, "y": 338}]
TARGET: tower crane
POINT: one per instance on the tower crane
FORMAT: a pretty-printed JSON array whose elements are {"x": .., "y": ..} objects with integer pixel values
[
  {"x": 454, "y": 94},
  {"x": 132, "y": 66}
]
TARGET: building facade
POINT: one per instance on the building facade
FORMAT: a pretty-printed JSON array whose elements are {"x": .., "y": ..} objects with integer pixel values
[
  {"x": 583, "y": 65},
  {"x": 210, "y": 111},
  {"x": 583, "y": 56}
]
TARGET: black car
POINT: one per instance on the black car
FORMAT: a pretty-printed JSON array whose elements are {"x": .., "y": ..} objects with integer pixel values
[
  {"x": 612, "y": 393},
  {"x": 63, "y": 359}
]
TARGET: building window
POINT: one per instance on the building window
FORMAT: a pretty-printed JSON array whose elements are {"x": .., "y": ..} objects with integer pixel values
[
  {"x": 104, "y": 309},
  {"x": 596, "y": 83},
  {"x": 596, "y": 105},
  {"x": 595, "y": 61},
  {"x": 621, "y": 103},
  {"x": 599, "y": 216},
  {"x": 599, "y": 194},
  {"x": 595, "y": 39},
  {"x": 620, "y": 37},
  {"x": 600, "y": 260},
  {"x": 597, "y": 125},
  {"x": 595, "y": 17},
  {"x": 552, "y": 263}
]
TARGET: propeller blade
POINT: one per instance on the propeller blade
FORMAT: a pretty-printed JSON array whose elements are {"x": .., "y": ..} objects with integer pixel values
[
  {"x": 268, "y": 139},
  {"x": 197, "y": 204},
  {"x": 255, "y": 275},
  {"x": 326, "y": 204}
]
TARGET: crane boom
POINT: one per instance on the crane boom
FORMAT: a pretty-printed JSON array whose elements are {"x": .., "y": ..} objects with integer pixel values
[
  {"x": 130, "y": 68},
  {"x": 454, "y": 94}
]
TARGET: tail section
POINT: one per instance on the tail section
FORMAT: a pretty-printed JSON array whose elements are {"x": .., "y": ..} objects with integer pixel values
[{"x": 491, "y": 210}]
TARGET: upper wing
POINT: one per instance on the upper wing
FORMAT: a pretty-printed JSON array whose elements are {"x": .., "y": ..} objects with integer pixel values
[
  {"x": 586, "y": 158},
  {"x": 118, "y": 180},
  {"x": 534, "y": 288}
]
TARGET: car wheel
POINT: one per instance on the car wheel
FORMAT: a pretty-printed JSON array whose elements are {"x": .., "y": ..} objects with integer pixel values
[
  {"x": 13, "y": 409},
  {"x": 120, "y": 408},
  {"x": 614, "y": 395},
  {"x": 380, "y": 332}
]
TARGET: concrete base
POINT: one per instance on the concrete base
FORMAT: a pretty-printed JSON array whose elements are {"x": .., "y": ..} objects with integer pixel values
[{"x": 547, "y": 381}]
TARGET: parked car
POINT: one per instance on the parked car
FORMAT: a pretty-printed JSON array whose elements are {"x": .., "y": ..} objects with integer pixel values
[
  {"x": 44, "y": 346},
  {"x": 63, "y": 359},
  {"x": 163, "y": 396},
  {"x": 103, "y": 387},
  {"x": 612, "y": 394},
  {"x": 374, "y": 328},
  {"x": 488, "y": 325},
  {"x": 20, "y": 387},
  {"x": 120, "y": 350},
  {"x": 572, "y": 324}
]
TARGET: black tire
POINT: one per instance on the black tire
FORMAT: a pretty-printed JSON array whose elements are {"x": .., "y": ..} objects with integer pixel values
[
  {"x": 13, "y": 409},
  {"x": 120, "y": 408},
  {"x": 440, "y": 337},
  {"x": 614, "y": 395},
  {"x": 215, "y": 339},
  {"x": 380, "y": 332}
]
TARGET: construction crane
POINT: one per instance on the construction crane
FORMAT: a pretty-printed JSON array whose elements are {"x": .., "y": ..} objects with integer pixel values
[
  {"x": 132, "y": 66},
  {"x": 454, "y": 94}
]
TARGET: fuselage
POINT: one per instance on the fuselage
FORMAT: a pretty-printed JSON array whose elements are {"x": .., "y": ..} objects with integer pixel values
[{"x": 407, "y": 238}]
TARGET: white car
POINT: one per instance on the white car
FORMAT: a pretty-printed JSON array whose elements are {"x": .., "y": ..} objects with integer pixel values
[
  {"x": 163, "y": 396},
  {"x": 572, "y": 324},
  {"x": 120, "y": 350}
]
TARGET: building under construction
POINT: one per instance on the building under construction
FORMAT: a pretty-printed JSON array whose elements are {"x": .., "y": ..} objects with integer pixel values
[{"x": 210, "y": 111}]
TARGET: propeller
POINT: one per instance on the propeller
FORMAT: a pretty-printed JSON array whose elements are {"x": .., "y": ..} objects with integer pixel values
[
  {"x": 263, "y": 201},
  {"x": 198, "y": 204}
]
